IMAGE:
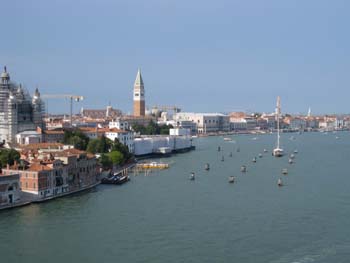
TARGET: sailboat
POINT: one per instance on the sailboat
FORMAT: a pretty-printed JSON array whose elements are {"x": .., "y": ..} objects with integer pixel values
[{"x": 278, "y": 151}]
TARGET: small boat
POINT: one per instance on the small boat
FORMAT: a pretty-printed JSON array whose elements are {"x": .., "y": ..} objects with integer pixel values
[
  {"x": 231, "y": 179},
  {"x": 290, "y": 161},
  {"x": 219, "y": 148},
  {"x": 292, "y": 156},
  {"x": 243, "y": 168},
  {"x": 260, "y": 155},
  {"x": 284, "y": 171},
  {"x": 207, "y": 167},
  {"x": 230, "y": 154},
  {"x": 254, "y": 139},
  {"x": 192, "y": 176},
  {"x": 265, "y": 151},
  {"x": 115, "y": 179},
  {"x": 279, "y": 182},
  {"x": 295, "y": 151},
  {"x": 238, "y": 149},
  {"x": 228, "y": 139},
  {"x": 254, "y": 160},
  {"x": 222, "y": 158}
]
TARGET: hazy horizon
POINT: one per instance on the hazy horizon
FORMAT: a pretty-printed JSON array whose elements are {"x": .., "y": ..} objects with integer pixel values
[{"x": 200, "y": 56}]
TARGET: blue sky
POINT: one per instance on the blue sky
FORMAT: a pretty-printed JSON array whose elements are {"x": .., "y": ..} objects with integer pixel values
[{"x": 217, "y": 55}]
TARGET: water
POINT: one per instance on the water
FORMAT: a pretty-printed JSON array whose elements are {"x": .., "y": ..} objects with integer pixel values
[{"x": 165, "y": 217}]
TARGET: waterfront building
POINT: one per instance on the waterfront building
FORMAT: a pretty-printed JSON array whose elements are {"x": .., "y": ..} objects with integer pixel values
[
  {"x": 147, "y": 145},
  {"x": 139, "y": 96},
  {"x": 54, "y": 173},
  {"x": 19, "y": 111},
  {"x": 9, "y": 189},
  {"x": 206, "y": 122}
]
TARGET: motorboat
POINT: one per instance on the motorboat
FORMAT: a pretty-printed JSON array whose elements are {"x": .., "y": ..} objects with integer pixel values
[
  {"x": 265, "y": 151},
  {"x": 219, "y": 148},
  {"x": 254, "y": 160},
  {"x": 285, "y": 171},
  {"x": 238, "y": 149},
  {"x": 243, "y": 168},
  {"x": 260, "y": 155},
  {"x": 222, "y": 158},
  {"x": 279, "y": 182},
  {"x": 228, "y": 139},
  {"x": 192, "y": 176},
  {"x": 292, "y": 156},
  {"x": 290, "y": 161},
  {"x": 207, "y": 167},
  {"x": 295, "y": 151},
  {"x": 231, "y": 179},
  {"x": 115, "y": 179}
]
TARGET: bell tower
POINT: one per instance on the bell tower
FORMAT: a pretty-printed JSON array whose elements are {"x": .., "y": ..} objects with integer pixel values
[{"x": 139, "y": 96}]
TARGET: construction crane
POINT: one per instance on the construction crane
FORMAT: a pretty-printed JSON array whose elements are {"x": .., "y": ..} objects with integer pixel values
[{"x": 71, "y": 97}]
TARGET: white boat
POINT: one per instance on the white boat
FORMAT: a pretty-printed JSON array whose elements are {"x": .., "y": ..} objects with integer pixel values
[
  {"x": 278, "y": 151},
  {"x": 295, "y": 151},
  {"x": 231, "y": 179},
  {"x": 192, "y": 176},
  {"x": 265, "y": 151},
  {"x": 227, "y": 139},
  {"x": 290, "y": 160},
  {"x": 292, "y": 156},
  {"x": 260, "y": 155},
  {"x": 279, "y": 182},
  {"x": 254, "y": 160},
  {"x": 243, "y": 168},
  {"x": 285, "y": 171}
]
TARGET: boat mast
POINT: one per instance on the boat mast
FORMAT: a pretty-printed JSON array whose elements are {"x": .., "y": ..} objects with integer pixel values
[{"x": 278, "y": 111}]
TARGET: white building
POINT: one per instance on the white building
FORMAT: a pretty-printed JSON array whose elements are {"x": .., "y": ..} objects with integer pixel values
[
  {"x": 125, "y": 137},
  {"x": 206, "y": 122},
  {"x": 119, "y": 124},
  {"x": 28, "y": 137},
  {"x": 18, "y": 110}
]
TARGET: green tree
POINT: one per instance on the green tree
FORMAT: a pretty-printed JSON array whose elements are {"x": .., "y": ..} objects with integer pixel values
[
  {"x": 105, "y": 161},
  {"x": 76, "y": 138},
  {"x": 116, "y": 157},
  {"x": 8, "y": 156},
  {"x": 93, "y": 146}
]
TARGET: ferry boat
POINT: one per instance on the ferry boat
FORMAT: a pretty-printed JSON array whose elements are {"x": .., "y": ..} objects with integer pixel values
[{"x": 278, "y": 151}]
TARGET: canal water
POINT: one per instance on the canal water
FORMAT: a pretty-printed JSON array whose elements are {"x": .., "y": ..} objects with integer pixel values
[{"x": 165, "y": 217}]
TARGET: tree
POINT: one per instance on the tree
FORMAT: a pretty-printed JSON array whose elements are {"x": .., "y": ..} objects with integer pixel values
[
  {"x": 76, "y": 138},
  {"x": 105, "y": 161},
  {"x": 116, "y": 157},
  {"x": 93, "y": 146},
  {"x": 8, "y": 156}
]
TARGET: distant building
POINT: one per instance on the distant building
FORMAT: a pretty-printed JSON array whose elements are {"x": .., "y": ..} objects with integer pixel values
[
  {"x": 206, "y": 122},
  {"x": 109, "y": 112},
  {"x": 119, "y": 124},
  {"x": 19, "y": 111},
  {"x": 139, "y": 96}
]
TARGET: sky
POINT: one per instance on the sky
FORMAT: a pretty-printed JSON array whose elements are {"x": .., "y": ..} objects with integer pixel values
[{"x": 203, "y": 56}]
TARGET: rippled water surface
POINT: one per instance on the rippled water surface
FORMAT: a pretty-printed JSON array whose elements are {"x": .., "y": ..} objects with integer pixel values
[{"x": 164, "y": 217}]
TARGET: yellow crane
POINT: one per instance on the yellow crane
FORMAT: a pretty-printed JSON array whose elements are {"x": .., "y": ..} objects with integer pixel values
[{"x": 71, "y": 97}]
